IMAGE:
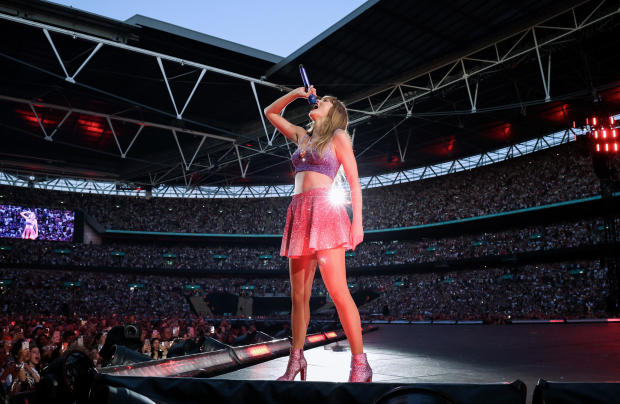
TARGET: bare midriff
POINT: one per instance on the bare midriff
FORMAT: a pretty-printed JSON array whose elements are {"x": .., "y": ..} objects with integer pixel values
[{"x": 307, "y": 180}]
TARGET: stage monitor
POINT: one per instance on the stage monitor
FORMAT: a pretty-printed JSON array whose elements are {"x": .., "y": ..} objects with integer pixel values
[{"x": 36, "y": 223}]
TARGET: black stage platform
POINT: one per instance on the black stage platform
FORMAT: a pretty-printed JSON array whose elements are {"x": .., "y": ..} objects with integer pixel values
[{"x": 468, "y": 354}]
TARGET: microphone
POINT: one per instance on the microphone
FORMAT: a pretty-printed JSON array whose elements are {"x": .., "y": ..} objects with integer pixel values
[{"x": 306, "y": 81}]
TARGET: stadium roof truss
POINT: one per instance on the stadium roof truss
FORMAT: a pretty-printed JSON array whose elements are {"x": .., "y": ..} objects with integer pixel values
[
  {"x": 399, "y": 97},
  {"x": 404, "y": 94},
  {"x": 178, "y": 112},
  {"x": 274, "y": 191}
]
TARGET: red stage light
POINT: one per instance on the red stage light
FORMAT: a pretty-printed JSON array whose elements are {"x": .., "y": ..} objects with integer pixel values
[
  {"x": 91, "y": 126},
  {"x": 606, "y": 146},
  {"x": 556, "y": 321},
  {"x": 30, "y": 117},
  {"x": 259, "y": 350},
  {"x": 598, "y": 147},
  {"x": 611, "y": 120},
  {"x": 594, "y": 120},
  {"x": 316, "y": 338},
  {"x": 94, "y": 129},
  {"x": 596, "y": 134},
  {"x": 616, "y": 147},
  {"x": 614, "y": 133}
]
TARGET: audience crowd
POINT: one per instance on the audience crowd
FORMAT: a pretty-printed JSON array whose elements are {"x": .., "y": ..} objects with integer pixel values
[
  {"x": 554, "y": 175},
  {"x": 369, "y": 253},
  {"x": 45, "y": 312},
  {"x": 560, "y": 290}
]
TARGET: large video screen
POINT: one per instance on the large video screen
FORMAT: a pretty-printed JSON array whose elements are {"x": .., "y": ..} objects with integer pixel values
[{"x": 36, "y": 223}]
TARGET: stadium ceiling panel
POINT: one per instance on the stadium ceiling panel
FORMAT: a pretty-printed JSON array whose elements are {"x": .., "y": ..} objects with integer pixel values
[{"x": 150, "y": 103}]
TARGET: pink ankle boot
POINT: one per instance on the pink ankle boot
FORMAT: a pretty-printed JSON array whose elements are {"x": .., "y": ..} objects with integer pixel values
[
  {"x": 296, "y": 363},
  {"x": 360, "y": 369}
]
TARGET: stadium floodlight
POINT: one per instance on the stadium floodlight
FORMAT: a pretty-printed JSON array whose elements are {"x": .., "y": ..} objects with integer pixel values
[{"x": 603, "y": 135}]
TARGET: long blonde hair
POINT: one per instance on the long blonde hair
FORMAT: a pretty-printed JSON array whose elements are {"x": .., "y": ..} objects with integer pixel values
[{"x": 322, "y": 133}]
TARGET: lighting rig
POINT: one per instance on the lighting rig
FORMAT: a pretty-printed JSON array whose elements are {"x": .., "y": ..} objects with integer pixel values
[{"x": 603, "y": 138}]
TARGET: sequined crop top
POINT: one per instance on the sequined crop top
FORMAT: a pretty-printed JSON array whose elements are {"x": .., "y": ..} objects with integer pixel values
[{"x": 312, "y": 161}]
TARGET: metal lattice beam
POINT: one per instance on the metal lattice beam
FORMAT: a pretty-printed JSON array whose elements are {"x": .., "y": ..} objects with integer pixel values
[
  {"x": 100, "y": 41},
  {"x": 158, "y": 57},
  {"x": 174, "y": 130},
  {"x": 402, "y": 94},
  {"x": 404, "y": 176}
]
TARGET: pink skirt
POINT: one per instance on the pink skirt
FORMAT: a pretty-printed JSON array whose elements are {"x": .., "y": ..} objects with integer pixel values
[{"x": 313, "y": 223}]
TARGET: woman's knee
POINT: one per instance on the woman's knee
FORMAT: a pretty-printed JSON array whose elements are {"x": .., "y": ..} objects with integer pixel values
[
  {"x": 341, "y": 297},
  {"x": 298, "y": 297}
]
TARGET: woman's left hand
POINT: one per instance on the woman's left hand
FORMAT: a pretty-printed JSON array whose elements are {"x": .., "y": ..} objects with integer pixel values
[{"x": 356, "y": 235}]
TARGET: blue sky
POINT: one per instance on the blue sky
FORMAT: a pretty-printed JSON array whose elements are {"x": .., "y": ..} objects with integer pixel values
[{"x": 276, "y": 26}]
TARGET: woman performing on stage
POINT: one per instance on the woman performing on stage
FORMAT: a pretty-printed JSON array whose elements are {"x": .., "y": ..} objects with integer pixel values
[
  {"x": 31, "y": 231},
  {"x": 318, "y": 231}
]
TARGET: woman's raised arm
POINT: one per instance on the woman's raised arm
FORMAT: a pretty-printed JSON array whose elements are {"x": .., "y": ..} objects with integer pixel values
[{"x": 272, "y": 112}]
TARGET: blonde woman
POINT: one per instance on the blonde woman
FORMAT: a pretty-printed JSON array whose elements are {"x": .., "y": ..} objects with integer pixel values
[
  {"x": 31, "y": 230},
  {"x": 316, "y": 230}
]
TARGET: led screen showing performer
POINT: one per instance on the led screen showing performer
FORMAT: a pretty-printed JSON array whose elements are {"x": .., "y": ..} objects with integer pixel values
[
  {"x": 36, "y": 223},
  {"x": 31, "y": 229}
]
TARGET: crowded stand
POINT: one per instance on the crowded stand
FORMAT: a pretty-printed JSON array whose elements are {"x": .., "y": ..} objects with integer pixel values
[
  {"x": 368, "y": 254},
  {"x": 559, "y": 290},
  {"x": 570, "y": 289},
  {"x": 546, "y": 177},
  {"x": 553, "y": 175},
  {"x": 45, "y": 312}
]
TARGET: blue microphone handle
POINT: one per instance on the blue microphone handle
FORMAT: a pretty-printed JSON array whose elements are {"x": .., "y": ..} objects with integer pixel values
[{"x": 306, "y": 81}]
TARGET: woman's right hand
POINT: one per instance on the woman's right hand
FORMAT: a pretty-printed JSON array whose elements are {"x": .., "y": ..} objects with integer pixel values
[{"x": 301, "y": 92}]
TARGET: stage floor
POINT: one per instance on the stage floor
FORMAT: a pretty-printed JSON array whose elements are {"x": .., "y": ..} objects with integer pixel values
[{"x": 467, "y": 354}]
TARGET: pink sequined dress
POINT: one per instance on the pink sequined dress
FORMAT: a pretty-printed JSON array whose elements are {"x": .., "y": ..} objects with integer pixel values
[{"x": 313, "y": 222}]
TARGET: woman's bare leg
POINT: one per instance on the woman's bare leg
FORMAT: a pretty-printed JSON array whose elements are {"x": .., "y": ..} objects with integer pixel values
[
  {"x": 301, "y": 271},
  {"x": 333, "y": 271}
]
